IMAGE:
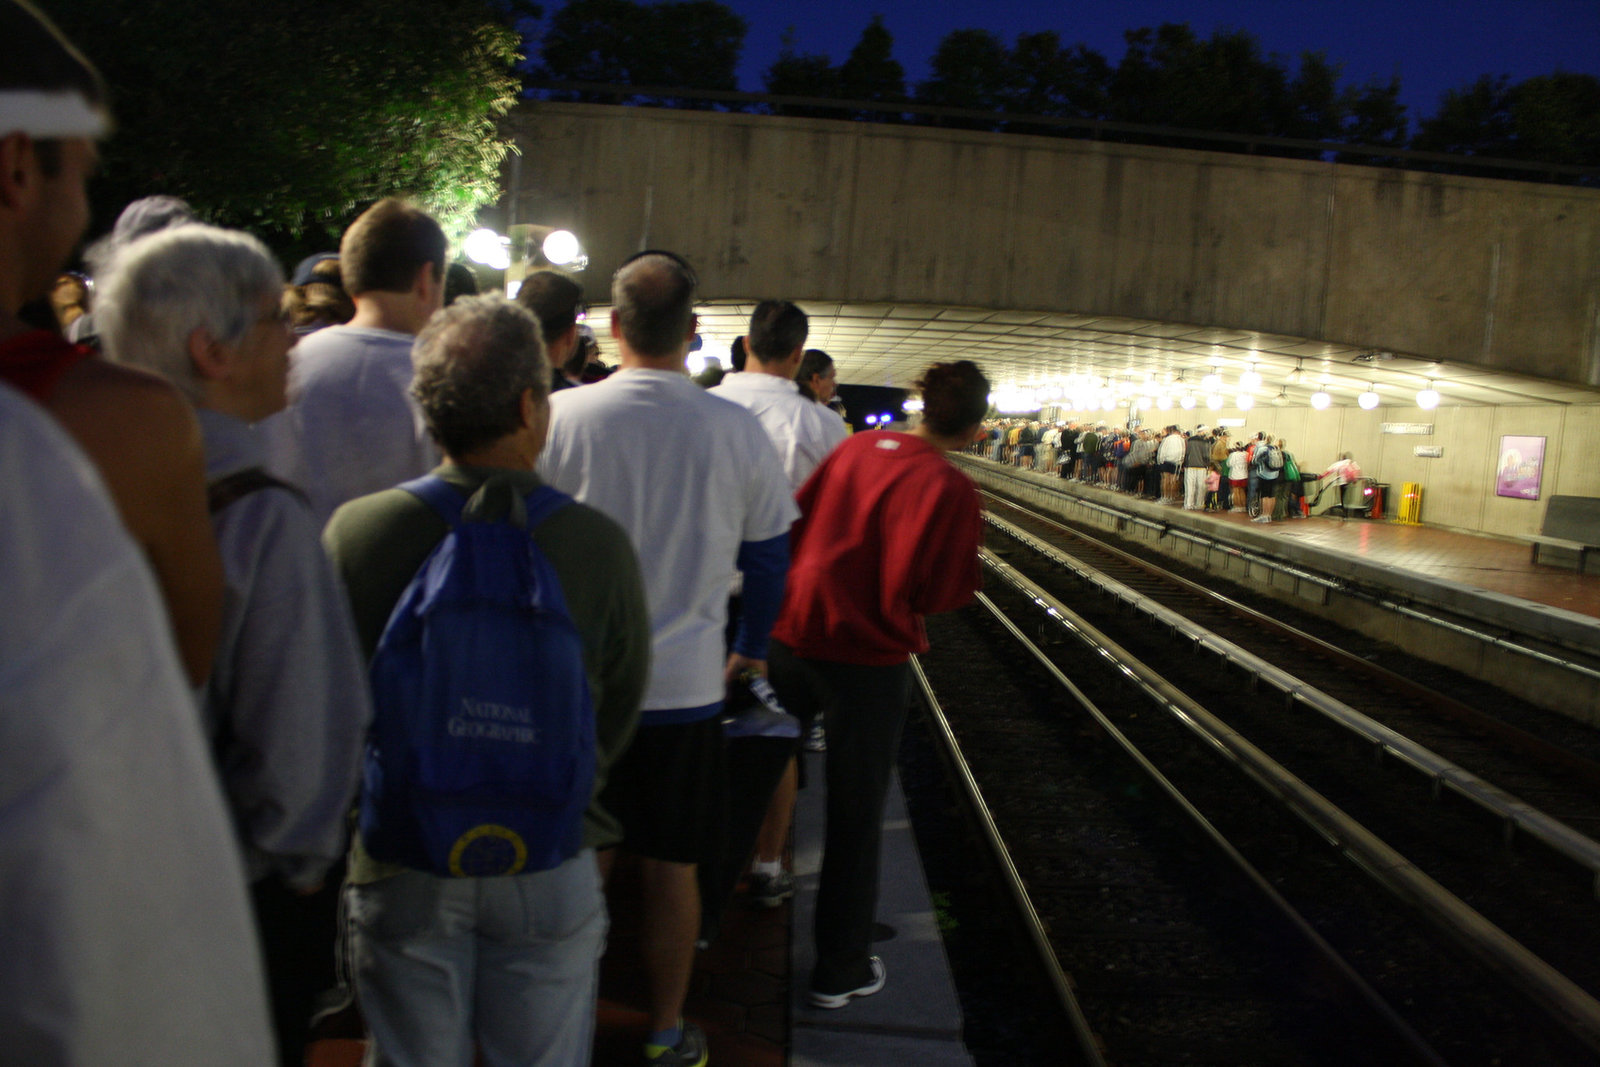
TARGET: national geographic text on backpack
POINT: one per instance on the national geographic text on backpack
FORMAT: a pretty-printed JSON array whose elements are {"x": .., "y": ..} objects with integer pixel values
[{"x": 481, "y": 758}]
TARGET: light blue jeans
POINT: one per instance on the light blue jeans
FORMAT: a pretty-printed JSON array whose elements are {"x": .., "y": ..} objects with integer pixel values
[{"x": 509, "y": 965}]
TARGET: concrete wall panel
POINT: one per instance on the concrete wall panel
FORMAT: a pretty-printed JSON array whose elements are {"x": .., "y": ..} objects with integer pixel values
[{"x": 1503, "y": 274}]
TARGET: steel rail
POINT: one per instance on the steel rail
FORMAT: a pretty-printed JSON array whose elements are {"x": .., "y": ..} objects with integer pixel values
[
  {"x": 1547, "y": 988},
  {"x": 1581, "y": 769},
  {"x": 1060, "y": 982},
  {"x": 1513, "y": 812},
  {"x": 1328, "y": 954}
]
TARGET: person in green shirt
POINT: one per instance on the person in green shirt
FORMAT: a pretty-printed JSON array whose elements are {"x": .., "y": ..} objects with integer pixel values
[{"x": 522, "y": 951}]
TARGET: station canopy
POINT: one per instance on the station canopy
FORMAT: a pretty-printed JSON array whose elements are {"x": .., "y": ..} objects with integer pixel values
[{"x": 1092, "y": 363}]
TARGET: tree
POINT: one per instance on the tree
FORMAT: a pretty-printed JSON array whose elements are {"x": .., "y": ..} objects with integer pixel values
[
  {"x": 971, "y": 69},
  {"x": 320, "y": 110},
  {"x": 689, "y": 44},
  {"x": 1553, "y": 118},
  {"x": 792, "y": 74},
  {"x": 1374, "y": 116},
  {"x": 1047, "y": 79},
  {"x": 870, "y": 72}
]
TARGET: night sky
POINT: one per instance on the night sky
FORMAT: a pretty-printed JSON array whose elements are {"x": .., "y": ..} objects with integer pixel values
[{"x": 1433, "y": 45}]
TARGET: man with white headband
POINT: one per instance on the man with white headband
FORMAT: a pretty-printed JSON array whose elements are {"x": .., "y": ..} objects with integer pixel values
[
  {"x": 135, "y": 426},
  {"x": 128, "y": 935}
]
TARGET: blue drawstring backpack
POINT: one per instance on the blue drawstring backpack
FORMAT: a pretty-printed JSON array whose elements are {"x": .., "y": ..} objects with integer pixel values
[{"x": 481, "y": 757}]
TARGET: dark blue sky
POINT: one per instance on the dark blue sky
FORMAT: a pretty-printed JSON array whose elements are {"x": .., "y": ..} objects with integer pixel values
[{"x": 1433, "y": 45}]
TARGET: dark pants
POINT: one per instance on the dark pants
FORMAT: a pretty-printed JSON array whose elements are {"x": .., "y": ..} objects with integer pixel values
[
  {"x": 865, "y": 707},
  {"x": 297, "y": 948}
]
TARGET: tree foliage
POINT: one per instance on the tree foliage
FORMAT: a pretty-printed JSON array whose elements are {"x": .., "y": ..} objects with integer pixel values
[
  {"x": 793, "y": 74},
  {"x": 870, "y": 71},
  {"x": 290, "y": 119},
  {"x": 688, "y": 44},
  {"x": 1554, "y": 118}
]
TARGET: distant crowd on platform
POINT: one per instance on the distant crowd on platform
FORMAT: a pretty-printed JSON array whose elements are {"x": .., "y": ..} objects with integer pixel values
[
  {"x": 355, "y": 622},
  {"x": 1203, "y": 469}
]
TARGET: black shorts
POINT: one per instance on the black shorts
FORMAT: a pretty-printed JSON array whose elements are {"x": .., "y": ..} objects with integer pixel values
[
  {"x": 1167, "y": 468},
  {"x": 670, "y": 791}
]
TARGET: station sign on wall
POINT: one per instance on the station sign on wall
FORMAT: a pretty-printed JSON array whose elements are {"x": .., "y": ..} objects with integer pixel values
[
  {"x": 1420, "y": 429},
  {"x": 1427, "y": 452}
]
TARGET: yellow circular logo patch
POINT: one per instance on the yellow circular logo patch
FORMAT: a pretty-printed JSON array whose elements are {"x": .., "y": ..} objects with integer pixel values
[{"x": 488, "y": 851}]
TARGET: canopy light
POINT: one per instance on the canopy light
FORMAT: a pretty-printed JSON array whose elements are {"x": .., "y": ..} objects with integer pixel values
[
  {"x": 1282, "y": 399},
  {"x": 1244, "y": 402},
  {"x": 1187, "y": 403},
  {"x": 1164, "y": 403},
  {"x": 1428, "y": 399},
  {"x": 1369, "y": 399},
  {"x": 1211, "y": 382},
  {"x": 1250, "y": 379},
  {"x": 1214, "y": 402},
  {"x": 561, "y": 247},
  {"x": 1320, "y": 400},
  {"x": 489, "y": 248}
]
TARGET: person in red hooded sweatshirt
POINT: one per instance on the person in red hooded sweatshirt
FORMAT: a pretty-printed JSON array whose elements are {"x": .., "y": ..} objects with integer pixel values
[{"x": 889, "y": 533}]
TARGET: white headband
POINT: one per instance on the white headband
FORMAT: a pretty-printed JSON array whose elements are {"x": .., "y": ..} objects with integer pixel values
[{"x": 43, "y": 114}]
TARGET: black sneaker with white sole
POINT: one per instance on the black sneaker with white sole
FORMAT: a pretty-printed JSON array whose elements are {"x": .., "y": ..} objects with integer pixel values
[{"x": 880, "y": 974}]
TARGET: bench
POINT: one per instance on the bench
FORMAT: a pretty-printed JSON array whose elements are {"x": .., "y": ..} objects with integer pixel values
[{"x": 1572, "y": 527}]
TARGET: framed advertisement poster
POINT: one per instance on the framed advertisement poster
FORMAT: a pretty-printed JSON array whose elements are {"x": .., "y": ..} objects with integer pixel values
[{"x": 1520, "y": 467}]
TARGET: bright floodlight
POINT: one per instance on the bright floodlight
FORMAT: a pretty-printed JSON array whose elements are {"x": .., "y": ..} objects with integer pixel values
[
  {"x": 872, "y": 420},
  {"x": 561, "y": 247},
  {"x": 1250, "y": 379},
  {"x": 1187, "y": 402},
  {"x": 1320, "y": 400},
  {"x": 1212, "y": 381},
  {"x": 1244, "y": 402},
  {"x": 489, "y": 248},
  {"x": 1428, "y": 399},
  {"x": 1368, "y": 400},
  {"x": 1164, "y": 402},
  {"x": 1214, "y": 402}
]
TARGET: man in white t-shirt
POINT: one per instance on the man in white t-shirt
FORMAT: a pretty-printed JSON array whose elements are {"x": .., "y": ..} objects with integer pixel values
[
  {"x": 351, "y": 427},
  {"x": 697, "y": 485},
  {"x": 803, "y": 431}
]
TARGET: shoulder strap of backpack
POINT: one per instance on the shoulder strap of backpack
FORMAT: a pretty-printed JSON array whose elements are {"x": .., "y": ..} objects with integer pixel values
[
  {"x": 544, "y": 502},
  {"x": 438, "y": 494},
  {"x": 234, "y": 487}
]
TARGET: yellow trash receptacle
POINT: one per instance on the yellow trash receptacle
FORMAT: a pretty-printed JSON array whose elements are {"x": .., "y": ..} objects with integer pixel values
[{"x": 1410, "y": 510}]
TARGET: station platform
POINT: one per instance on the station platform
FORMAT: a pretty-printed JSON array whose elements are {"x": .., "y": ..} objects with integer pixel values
[
  {"x": 1375, "y": 548},
  {"x": 748, "y": 989},
  {"x": 1473, "y": 603}
]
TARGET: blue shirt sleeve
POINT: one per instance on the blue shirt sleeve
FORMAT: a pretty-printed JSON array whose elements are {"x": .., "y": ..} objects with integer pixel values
[{"x": 765, "y": 565}]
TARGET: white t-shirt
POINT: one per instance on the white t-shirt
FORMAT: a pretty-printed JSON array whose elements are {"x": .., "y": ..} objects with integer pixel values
[
  {"x": 128, "y": 937},
  {"x": 689, "y": 476},
  {"x": 803, "y": 431},
  {"x": 351, "y": 427}
]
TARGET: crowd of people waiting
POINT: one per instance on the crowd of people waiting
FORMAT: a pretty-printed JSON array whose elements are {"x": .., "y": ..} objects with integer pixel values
[
  {"x": 1203, "y": 469},
  {"x": 360, "y": 546}
]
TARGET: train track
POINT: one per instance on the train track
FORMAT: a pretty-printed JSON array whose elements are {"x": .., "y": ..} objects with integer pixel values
[{"x": 1364, "y": 933}]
